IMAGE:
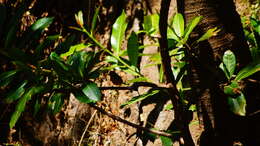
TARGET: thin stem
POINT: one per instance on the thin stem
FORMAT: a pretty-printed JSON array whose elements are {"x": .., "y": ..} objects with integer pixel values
[
  {"x": 109, "y": 52},
  {"x": 161, "y": 133},
  {"x": 86, "y": 128}
]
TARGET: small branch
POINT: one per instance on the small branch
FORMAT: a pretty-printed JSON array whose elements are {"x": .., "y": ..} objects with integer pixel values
[
  {"x": 86, "y": 128},
  {"x": 166, "y": 62},
  {"x": 161, "y": 133}
]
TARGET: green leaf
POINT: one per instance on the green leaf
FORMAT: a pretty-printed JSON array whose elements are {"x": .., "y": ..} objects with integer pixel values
[
  {"x": 132, "y": 49},
  {"x": 82, "y": 97},
  {"x": 211, "y": 32},
  {"x": 20, "y": 106},
  {"x": 92, "y": 91},
  {"x": 248, "y": 70},
  {"x": 139, "y": 98},
  {"x": 193, "y": 107},
  {"x": 191, "y": 26},
  {"x": 58, "y": 61},
  {"x": 238, "y": 105},
  {"x": 168, "y": 107},
  {"x": 118, "y": 32},
  {"x": 17, "y": 93},
  {"x": 34, "y": 32},
  {"x": 56, "y": 102},
  {"x": 166, "y": 141},
  {"x": 151, "y": 24},
  {"x": 229, "y": 60},
  {"x": 7, "y": 77},
  {"x": 256, "y": 24},
  {"x": 74, "y": 48},
  {"x": 94, "y": 20},
  {"x": 178, "y": 24},
  {"x": 232, "y": 89},
  {"x": 78, "y": 63}
]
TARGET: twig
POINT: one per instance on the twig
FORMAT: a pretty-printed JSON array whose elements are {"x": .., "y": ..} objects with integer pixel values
[
  {"x": 86, "y": 128},
  {"x": 166, "y": 62},
  {"x": 161, "y": 133}
]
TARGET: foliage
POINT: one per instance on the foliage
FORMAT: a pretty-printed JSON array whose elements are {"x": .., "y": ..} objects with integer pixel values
[{"x": 66, "y": 69}]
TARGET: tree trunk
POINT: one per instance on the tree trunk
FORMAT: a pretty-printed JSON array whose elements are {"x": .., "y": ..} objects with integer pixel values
[{"x": 219, "y": 124}]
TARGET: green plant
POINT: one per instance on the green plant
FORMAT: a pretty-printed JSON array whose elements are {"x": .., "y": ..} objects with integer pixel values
[
  {"x": 236, "y": 98},
  {"x": 33, "y": 75}
]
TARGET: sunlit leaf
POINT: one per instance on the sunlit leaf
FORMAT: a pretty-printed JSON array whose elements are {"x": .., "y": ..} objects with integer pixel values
[
  {"x": 248, "y": 70},
  {"x": 118, "y": 32},
  {"x": 92, "y": 91},
  {"x": 151, "y": 24},
  {"x": 191, "y": 26},
  {"x": 132, "y": 49},
  {"x": 210, "y": 33},
  {"x": 139, "y": 98},
  {"x": 166, "y": 141},
  {"x": 229, "y": 60},
  {"x": 237, "y": 105},
  {"x": 193, "y": 107},
  {"x": 178, "y": 24},
  {"x": 168, "y": 107},
  {"x": 74, "y": 48}
]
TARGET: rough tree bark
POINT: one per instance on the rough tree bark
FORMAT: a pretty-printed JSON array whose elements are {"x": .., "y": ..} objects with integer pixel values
[{"x": 221, "y": 127}]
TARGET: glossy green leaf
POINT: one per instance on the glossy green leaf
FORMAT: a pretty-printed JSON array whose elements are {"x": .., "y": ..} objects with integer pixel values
[
  {"x": 229, "y": 60},
  {"x": 191, "y": 26},
  {"x": 248, "y": 70},
  {"x": 210, "y": 33},
  {"x": 151, "y": 24},
  {"x": 92, "y": 91},
  {"x": 238, "y": 105},
  {"x": 139, "y": 98},
  {"x": 78, "y": 63},
  {"x": 178, "y": 24},
  {"x": 7, "y": 77},
  {"x": 17, "y": 93},
  {"x": 132, "y": 49},
  {"x": 82, "y": 97},
  {"x": 166, "y": 141},
  {"x": 118, "y": 32},
  {"x": 20, "y": 106},
  {"x": 74, "y": 48},
  {"x": 34, "y": 32},
  {"x": 224, "y": 69}
]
